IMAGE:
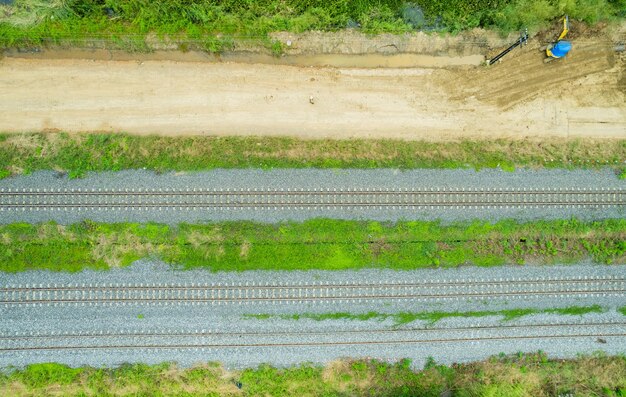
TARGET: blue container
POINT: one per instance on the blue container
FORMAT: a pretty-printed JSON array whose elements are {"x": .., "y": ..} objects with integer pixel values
[{"x": 561, "y": 48}]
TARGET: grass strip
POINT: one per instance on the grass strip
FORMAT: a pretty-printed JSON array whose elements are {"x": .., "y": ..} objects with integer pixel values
[
  {"x": 324, "y": 244},
  {"x": 214, "y": 25},
  {"x": 80, "y": 153},
  {"x": 402, "y": 318},
  {"x": 504, "y": 375}
]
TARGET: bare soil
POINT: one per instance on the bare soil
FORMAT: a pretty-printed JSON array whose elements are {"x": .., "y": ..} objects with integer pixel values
[{"x": 580, "y": 96}]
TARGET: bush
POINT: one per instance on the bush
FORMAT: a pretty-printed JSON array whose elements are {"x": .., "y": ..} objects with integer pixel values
[
  {"x": 36, "y": 22},
  {"x": 529, "y": 14},
  {"x": 413, "y": 15},
  {"x": 38, "y": 375},
  {"x": 590, "y": 11},
  {"x": 378, "y": 19}
]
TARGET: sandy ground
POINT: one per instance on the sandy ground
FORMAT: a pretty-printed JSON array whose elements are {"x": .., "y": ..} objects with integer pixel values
[{"x": 581, "y": 96}]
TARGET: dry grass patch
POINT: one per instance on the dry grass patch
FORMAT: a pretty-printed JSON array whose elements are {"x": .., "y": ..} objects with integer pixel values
[
  {"x": 26, "y": 142},
  {"x": 15, "y": 389},
  {"x": 54, "y": 230},
  {"x": 213, "y": 236},
  {"x": 534, "y": 375},
  {"x": 511, "y": 375},
  {"x": 208, "y": 242},
  {"x": 62, "y": 390},
  {"x": 333, "y": 370},
  {"x": 597, "y": 370},
  {"x": 115, "y": 249},
  {"x": 245, "y": 249},
  {"x": 379, "y": 247},
  {"x": 5, "y": 238}
]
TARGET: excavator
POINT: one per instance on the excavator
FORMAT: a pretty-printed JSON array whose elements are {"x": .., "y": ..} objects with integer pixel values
[
  {"x": 556, "y": 50},
  {"x": 561, "y": 47}
]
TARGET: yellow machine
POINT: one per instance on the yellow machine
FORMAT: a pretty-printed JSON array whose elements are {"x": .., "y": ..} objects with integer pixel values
[
  {"x": 561, "y": 47},
  {"x": 565, "y": 28}
]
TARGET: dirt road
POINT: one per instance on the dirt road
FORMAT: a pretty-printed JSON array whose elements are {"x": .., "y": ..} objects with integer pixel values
[{"x": 583, "y": 95}]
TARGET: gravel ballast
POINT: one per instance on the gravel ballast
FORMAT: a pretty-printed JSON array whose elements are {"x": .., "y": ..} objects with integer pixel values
[
  {"x": 311, "y": 179},
  {"x": 194, "y": 331},
  {"x": 151, "y": 330}
]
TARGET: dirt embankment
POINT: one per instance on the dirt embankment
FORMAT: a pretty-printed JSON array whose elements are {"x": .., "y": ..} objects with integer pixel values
[{"x": 582, "y": 95}]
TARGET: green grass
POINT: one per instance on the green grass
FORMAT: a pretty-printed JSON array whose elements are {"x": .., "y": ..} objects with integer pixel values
[
  {"x": 622, "y": 310},
  {"x": 258, "y": 316},
  {"x": 213, "y": 25},
  {"x": 513, "y": 375},
  {"x": 430, "y": 317},
  {"x": 314, "y": 244},
  {"x": 40, "y": 375},
  {"x": 80, "y": 153},
  {"x": 575, "y": 310}
]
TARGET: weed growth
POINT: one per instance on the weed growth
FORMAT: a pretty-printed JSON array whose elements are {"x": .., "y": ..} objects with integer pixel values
[
  {"x": 505, "y": 375},
  {"x": 213, "y": 24},
  {"x": 314, "y": 244},
  {"x": 430, "y": 317},
  {"x": 78, "y": 154}
]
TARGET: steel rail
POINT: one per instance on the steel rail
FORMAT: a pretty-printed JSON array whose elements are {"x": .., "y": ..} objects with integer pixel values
[
  {"x": 305, "y": 344},
  {"x": 240, "y": 286},
  {"x": 113, "y": 334},
  {"x": 296, "y": 191},
  {"x": 196, "y": 299},
  {"x": 217, "y": 293},
  {"x": 318, "y": 198},
  {"x": 311, "y": 204}
]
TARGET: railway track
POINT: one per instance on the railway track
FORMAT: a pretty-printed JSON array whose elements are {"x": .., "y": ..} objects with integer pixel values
[
  {"x": 220, "y": 340},
  {"x": 153, "y": 293},
  {"x": 158, "y": 199}
]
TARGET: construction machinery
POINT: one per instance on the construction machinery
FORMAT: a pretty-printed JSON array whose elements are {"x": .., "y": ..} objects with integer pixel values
[
  {"x": 555, "y": 50},
  {"x": 523, "y": 39},
  {"x": 561, "y": 47}
]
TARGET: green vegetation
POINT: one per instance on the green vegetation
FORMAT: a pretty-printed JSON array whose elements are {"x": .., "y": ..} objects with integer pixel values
[
  {"x": 515, "y": 375},
  {"x": 575, "y": 310},
  {"x": 430, "y": 317},
  {"x": 622, "y": 310},
  {"x": 77, "y": 154},
  {"x": 214, "y": 25},
  {"x": 315, "y": 244}
]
